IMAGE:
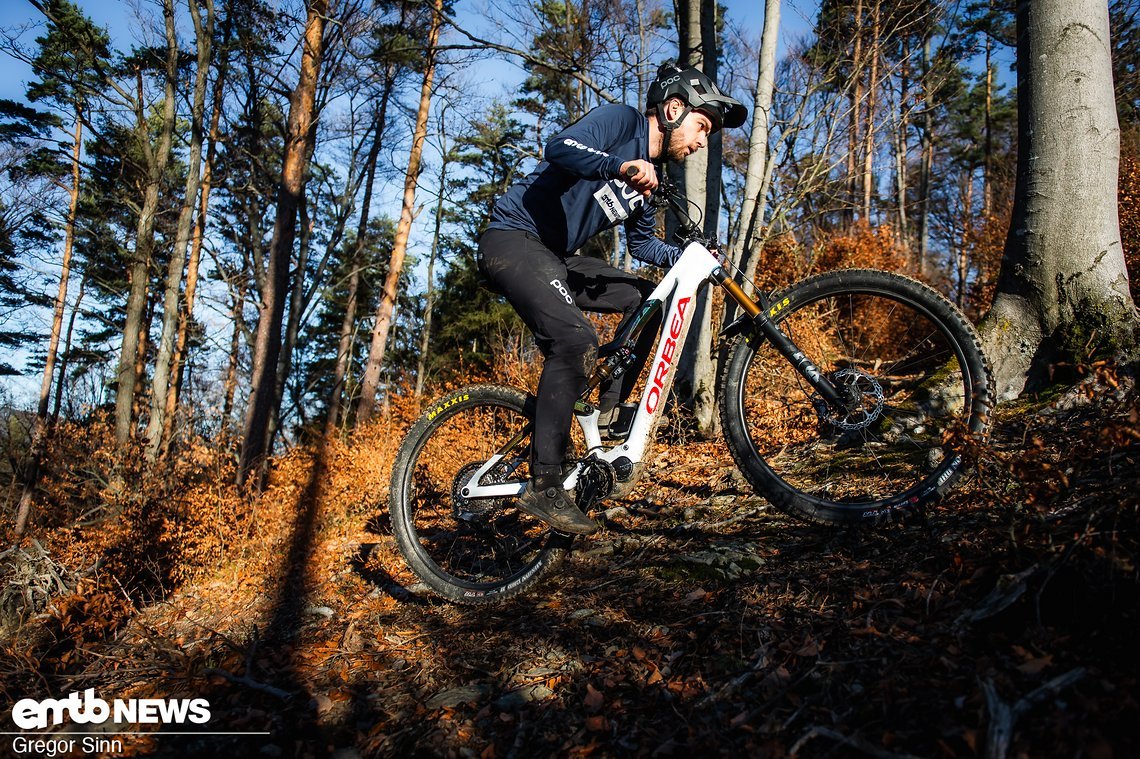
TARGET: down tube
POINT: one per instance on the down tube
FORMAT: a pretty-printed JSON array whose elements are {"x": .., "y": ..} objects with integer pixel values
[{"x": 678, "y": 295}]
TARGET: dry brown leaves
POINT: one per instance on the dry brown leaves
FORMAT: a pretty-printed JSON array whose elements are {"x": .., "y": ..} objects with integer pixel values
[{"x": 293, "y": 612}]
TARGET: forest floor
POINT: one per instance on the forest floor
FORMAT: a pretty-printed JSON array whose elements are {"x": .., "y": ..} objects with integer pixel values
[{"x": 1002, "y": 623}]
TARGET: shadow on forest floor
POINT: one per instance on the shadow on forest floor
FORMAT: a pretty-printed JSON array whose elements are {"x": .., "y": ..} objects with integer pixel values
[{"x": 678, "y": 627}]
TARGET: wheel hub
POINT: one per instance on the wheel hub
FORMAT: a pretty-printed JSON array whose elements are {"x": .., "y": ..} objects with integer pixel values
[
  {"x": 471, "y": 509},
  {"x": 862, "y": 396}
]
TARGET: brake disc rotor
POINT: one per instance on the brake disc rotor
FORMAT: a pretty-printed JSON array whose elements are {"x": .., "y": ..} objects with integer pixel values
[{"x": 864, "y": 396}]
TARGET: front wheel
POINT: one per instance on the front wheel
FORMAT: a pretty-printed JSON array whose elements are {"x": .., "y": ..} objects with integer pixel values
[
  {"x": 913, "y": 377},
  {"x": 467, "y": 546}
]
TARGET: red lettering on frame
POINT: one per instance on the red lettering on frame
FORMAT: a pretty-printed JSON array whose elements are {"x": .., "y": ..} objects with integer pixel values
[{"x": 661, "y": 371}]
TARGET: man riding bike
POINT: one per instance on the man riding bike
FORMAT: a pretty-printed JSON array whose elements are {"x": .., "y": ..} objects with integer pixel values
[{"x": 597, "y": 172}]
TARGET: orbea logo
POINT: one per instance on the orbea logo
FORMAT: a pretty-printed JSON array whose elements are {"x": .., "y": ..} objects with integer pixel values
[
  {"x": 30, "y": 714},
  {"x": 653, "y": 397}
]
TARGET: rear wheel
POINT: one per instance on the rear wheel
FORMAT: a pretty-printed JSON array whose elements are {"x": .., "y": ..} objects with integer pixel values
[
  {"x": 470, "y": 549},
  {"x": 911, "y": 370}
]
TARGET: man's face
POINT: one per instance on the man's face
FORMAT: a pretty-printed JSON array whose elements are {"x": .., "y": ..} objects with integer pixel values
[{"x": 690, "y": 136}]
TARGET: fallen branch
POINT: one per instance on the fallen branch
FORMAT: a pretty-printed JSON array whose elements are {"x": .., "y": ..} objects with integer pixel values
[
  {"x": 250, "y": 683},
  {"x": 856, "y": 743},
  {"x": 1009, "y": 588},
  {"x": 759, "y": 663},
  {"x": 1003, "y": 716}
]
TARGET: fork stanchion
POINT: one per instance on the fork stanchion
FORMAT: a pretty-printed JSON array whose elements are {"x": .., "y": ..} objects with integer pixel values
[{"x": 738, "y": 294}]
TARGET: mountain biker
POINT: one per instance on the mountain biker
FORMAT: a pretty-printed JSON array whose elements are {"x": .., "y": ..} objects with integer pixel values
[{"x": 598, "y": 172}]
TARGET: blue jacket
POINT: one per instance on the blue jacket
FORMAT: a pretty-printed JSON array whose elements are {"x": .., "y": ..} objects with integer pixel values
[{"x": 575, "y": 193}]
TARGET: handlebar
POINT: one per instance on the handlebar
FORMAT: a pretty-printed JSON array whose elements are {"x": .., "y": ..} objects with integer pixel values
[{"x": 687, "y": 229}]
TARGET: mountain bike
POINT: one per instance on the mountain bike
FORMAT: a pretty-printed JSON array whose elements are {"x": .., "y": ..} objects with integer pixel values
[{"x": 842, "y": 401}]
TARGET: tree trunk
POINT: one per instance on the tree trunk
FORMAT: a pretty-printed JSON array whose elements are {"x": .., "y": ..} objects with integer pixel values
[
  {"x": 384, "y": 312},
  {"x": 869, "y": 125},
  {"x": 696, "y": 370},
  {"x": 988, "y": 139},
  {"x": 140, "y": 358},
  {"x": 746, "y": 247},
  {"x": 229, "y": 386},
  {"x": 292, "y": 316},
  {"x": 348, "y": 324},
  {"x": 901, "y": 160},
  {"x": 926, "y": 161},
  {"x": 301, "y": 298},
  {"x": 344, "y": 347},
  {"x": 187, "y": 313},
  {"x": 429, "y": 297},
  {"x": 267, "y": 347},
  {"x": 687, "y": 14},
  {"x": 1063, "y": 288},
  {"x": 713, "y": 155},
  {"x": 853, "y": 138},
  {"x": 156, "y": 159},
  {"x": 967, "y": 216},
  {"x": 642, "y": 57},
  {"x": 39, "y": 426},
  {"x": 66, "y": 352},
  {"x": 170, "y": 307}
]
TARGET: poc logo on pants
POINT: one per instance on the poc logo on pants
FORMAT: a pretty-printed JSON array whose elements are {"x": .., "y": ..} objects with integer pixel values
[{"x": 562, "y": 289}]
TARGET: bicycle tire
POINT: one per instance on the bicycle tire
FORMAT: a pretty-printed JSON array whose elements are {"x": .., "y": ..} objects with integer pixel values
[
  {"x": 469, "y": 551},
  {"x": 919, "y": 376}
]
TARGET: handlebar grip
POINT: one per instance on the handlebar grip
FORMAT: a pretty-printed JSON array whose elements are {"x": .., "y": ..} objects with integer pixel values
[{"x": 630, "y": 172}]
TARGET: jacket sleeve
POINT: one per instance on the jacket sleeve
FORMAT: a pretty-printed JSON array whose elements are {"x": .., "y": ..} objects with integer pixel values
[
  {"x": 580, "y": 149},
  {"x": 641, "y": 237}
]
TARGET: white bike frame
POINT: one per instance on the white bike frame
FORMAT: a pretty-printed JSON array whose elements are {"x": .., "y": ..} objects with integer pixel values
[{"x": 677, "y": 293}]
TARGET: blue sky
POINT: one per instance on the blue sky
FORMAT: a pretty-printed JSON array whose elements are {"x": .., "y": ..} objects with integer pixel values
[
  {"x": 118, "y": 16},
  {"x": 497, "y": 79}
]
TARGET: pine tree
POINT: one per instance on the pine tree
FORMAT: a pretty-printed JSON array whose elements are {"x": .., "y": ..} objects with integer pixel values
[
  {"x": 67, "y": 63},
  {"x": 469, "y": 322},
  {"x": 27, "y": 173}
]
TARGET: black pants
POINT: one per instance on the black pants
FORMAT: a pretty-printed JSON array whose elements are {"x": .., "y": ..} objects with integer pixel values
[{"x": 550, "y": 293}]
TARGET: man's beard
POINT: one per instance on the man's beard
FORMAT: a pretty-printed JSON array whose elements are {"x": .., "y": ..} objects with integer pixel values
[{"x": 676, "y": 150}]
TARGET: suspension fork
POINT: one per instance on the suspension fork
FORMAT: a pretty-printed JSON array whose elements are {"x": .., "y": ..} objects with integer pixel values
[{"x": 782, "y": 343}]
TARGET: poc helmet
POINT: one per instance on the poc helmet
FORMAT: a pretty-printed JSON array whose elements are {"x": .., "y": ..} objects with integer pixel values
[{"x": 698, "y": 92}]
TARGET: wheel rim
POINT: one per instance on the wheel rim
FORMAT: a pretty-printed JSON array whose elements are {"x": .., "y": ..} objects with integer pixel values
[
  {"x": 481, "y": 545},
  {"x": 888, "y": 450}
]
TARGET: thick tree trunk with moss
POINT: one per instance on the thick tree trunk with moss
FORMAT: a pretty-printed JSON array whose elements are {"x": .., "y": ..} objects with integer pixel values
[{"x": 1063, "y": 288}]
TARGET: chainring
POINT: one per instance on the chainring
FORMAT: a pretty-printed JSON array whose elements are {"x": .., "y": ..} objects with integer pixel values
[{"x": 596, "y": 481}]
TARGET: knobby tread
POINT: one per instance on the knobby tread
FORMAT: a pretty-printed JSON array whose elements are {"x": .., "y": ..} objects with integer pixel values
[
  {"x": 439, "y": 582},
  {"x": 782, "y": 495}
]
